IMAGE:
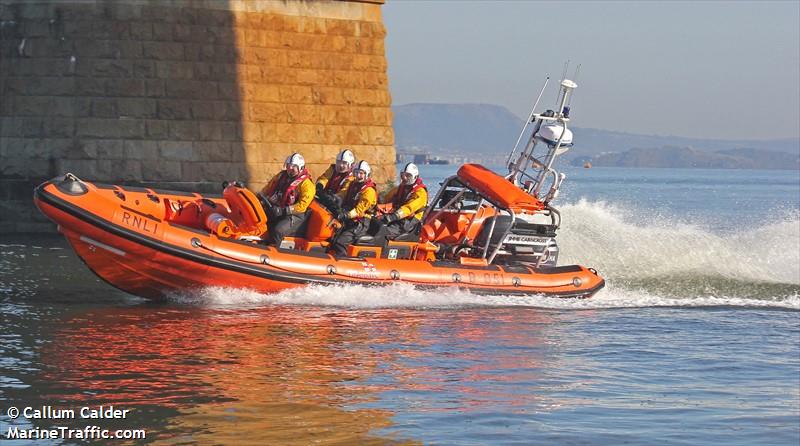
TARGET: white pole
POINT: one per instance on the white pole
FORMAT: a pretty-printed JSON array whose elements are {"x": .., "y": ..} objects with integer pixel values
[{"x": 528, "y": 121}]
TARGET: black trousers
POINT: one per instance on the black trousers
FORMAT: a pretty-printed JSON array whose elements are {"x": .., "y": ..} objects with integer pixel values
[
  {"x": 349, "y": 234},
  {"x": 290, "y": 225},
  {"x": 404, "y": 226}
]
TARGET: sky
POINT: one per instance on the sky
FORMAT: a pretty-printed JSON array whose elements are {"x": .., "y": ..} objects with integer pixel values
[{"x": 718, "y": 69}]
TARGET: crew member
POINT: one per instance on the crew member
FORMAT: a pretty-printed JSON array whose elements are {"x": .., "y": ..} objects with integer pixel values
[
  {"x": 359, "y": 204},
  {"x": 408, "y": 200},
  {"x": 335, "y": 180},
  {"x": 290, "y": 193}
]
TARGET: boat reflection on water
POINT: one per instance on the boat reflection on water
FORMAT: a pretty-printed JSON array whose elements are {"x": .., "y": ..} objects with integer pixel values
[{"x": 292, "y": 375}]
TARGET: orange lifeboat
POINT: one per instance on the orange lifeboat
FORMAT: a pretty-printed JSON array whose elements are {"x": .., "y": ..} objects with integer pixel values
[{"x": 152, "y": 243}]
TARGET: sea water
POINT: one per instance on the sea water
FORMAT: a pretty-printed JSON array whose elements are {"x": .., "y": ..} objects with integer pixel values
[{"x": 694, "y": 341}]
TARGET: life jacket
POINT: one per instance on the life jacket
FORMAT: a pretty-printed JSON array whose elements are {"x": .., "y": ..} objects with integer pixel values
[
  {"x": 404, "y": 192},
  {"x": 337, "y": 180},
  {"x": 353, "y": 191},
  {"x": 286, "y": 188}
]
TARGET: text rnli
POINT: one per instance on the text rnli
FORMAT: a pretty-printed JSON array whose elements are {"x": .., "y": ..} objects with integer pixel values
[{"x": 139, "y": 222}]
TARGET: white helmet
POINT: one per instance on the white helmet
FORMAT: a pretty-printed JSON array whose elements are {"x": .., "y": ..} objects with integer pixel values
[
  {"x": 363, "y": 165},
  {"x": 345, "y": 160},
  {"x": 412, "y": 173},
  {"x": 297, "y": 160}
]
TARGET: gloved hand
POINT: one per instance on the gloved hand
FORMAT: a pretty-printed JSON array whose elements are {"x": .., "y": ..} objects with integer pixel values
[
  {"x": 282, "y": 212},
  {"x": 236, "y": 183},
  {"x": 341, "y": 216},
  {"x": 389, "y": 218}
]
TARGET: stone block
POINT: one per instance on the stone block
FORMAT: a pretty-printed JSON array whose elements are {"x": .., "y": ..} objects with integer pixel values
[
  {"x": 109, "y": 29},
  {"x": 183, "y": 130},
  {"x": 191, "y": 89},
  {"x": 237, "y": 152},
  {"x": 220, "y": 18},
  {"x": 213, "y": 171},
  {"x": 209, "y": 131},
  {"x": 16, "y": 189},
  {"x": 213, "y": 151},
  {"x": 251, "y": 132},
  {"x": 31, "y": 127},
  {"x": 9, "y": 128},
  {"x": 32, "y": 11},
  {"x": 125, "y": 87},
  {"x": 295, "y": 94},
  {"x": 46, "y": 47},
  {"x": 174, "y": 109},
  {"x": 144, "y": 69},
  {"x": 136, "y": 107},
  {"x": 378, "y": 155},
  {"x": 154, "y": 88},
  {"x": 174, "y": 70},
  {"x": 228, "y": 91},
  {"x": 42, "y": 86},
  {"x": 93, "y": 127},
  {"x": 129, "y": 128},
  {"x": 106, "y": 149},
  {"x": 163, "y": 50},
  {"x": 35, "y": 28},
  {"x": 110, "y": 128},
  {"x": 87, "y": 86},
  {"x": 159, "y": 14},
  {"x": 23, "y": 148},
  {"x": 77, "y": 28},
  {"x": 40, "y": 106},
  {"x": 140, "y": 150},
  {"x": 162, "y": 31},
  {"x": 228, "y": 111},
  {"x": 304, "y": 114},
  {"x": 124, "y": 11},
  {"x": 161, "y": 170},
  {"x": 107, "y": 68},
  {"x": 219, "y": 53},
  {"x": 156, "y": 129},
  {"x": 176, "y": 150},
  {"x": 104, "y": 108},
  {"x": 266, "y": 112},
  {"x": 203, "y": 109},
  {"x": 231, "y": 131},
  {"x": 327, "y": 96},
  {"x": 141, "y": 30},
  {"x": 59, "y": 127},
  {"x": 121, "y": 170}
]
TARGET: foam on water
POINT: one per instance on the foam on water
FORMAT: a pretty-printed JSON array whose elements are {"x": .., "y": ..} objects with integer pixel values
[
  {"x": 647, "y": 261},
  {"x": 625, "y": 245},
  {"x": 405, "y": 296}
]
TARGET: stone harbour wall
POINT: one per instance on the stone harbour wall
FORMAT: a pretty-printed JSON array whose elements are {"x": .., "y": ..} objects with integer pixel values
[{"x": 185, "y": 94}]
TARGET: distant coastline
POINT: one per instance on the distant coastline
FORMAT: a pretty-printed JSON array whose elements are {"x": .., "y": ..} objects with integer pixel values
[
  {"x": 687, "y": 157},
  {"x": 485, "y": 133}
]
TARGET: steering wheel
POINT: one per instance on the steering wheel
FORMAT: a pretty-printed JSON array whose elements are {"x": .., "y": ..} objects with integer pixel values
[{"x": 266, "y": 204}]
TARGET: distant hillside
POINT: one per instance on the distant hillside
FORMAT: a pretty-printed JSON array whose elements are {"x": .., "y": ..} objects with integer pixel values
[
  {"x": 481, "y": 129},
  {"x": 685, "y": 157},
  {"x": 472, "y": 128}
]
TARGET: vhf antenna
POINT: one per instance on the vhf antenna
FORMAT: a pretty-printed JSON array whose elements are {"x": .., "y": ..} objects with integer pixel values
[
  {"x": 574, "y": 79},
  {"x": 528, "y": 121}
]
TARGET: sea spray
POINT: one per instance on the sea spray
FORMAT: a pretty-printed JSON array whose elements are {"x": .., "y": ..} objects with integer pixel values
[
  {"x": 624, "y": 245},
  {"x": 359, "y": 297}
]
